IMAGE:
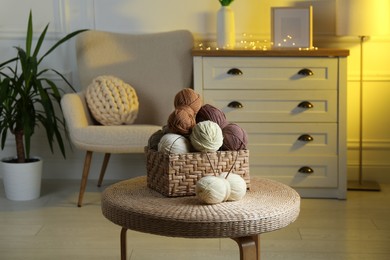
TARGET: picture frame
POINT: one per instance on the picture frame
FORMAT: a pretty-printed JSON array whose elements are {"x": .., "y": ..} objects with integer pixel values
[{"x": 292, "y": 27}]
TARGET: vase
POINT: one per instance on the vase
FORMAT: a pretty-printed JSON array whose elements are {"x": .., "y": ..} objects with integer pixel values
[
  {"x": 226, "y": 35},
  {"x": 22, "y": 181}
]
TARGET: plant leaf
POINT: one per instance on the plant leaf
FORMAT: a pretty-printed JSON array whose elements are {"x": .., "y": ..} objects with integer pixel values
[
  {"x": 225, "y": 2},
  {"x": 65, "y": 79},
  {"x": 64, "y": 39},
  {"x": 8, "y": 61},
  {"x": 29, "y": 35},
  {"x": 40, "y": 41},
  {"x": 29, "y": 99}
]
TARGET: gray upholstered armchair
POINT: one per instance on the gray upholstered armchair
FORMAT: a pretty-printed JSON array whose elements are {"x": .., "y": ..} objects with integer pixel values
[{"x": 156, "y": 65}]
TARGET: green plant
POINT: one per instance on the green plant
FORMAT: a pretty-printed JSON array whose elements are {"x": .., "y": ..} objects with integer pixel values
[
  {"x": 225, "y": 2},
  {"x": 28, "y": 98}
]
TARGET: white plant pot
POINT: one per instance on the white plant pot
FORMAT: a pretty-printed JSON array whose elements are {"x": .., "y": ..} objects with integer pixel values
[
  {"x": 22, "y": 181},
  {"x": 226, "y": 33}
]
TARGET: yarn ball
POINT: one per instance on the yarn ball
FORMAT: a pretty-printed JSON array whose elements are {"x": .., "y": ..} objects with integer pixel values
[
  {"x": 234, "y": 137},
  {"x": 209, "y": 112},
  {"x": 112, "y": 101},
  {"x": 188, "y": 97},
  {"x": 155, "y": 138},
  {"x": 174, "y": 143},
  {"x": 237, "y": 186},
  {"x": 212, "y": 189},
  {"x": 181, "y": 121},
  {"x": 206, "y": 136}
]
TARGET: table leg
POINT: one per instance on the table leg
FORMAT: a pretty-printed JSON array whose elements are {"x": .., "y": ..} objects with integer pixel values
[
  {"x": 123, "y": 244},
  {"x": 249, "y": 247}
]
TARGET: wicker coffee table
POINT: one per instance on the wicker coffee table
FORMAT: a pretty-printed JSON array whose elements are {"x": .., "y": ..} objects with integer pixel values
[{"x": 268, "y": 206}]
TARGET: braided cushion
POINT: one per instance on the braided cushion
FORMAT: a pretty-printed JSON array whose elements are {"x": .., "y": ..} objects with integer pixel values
[{"x": 112, "y": 101}]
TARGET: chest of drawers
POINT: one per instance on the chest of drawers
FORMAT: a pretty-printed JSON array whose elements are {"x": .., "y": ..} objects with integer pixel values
[{"x": 292, "y": 104}]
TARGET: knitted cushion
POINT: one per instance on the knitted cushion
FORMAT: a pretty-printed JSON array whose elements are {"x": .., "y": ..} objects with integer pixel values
[{"x": 112, "y": 101}]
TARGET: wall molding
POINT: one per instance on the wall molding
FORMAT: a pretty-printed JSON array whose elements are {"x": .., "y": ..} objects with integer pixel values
[
  {"x": 377, "y": 170},
  {"x": 90, "y": 6},
  {"x": 56, "y": 27},
  {"x": 369, "y": 77},
  {"x": 369, "y": 144}
]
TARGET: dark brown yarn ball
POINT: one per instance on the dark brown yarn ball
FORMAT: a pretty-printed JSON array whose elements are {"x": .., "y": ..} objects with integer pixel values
[
  {"x": 155, "y": 138},
  {"x": 188, "y": 97},
  {"x": 211, "y": 113},
  {"x": 234, "y": 138},
  {"x": 181, "y": 121}
]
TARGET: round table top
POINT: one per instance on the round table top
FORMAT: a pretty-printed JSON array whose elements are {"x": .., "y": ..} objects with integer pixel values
[{"x": 268, "y": 206}]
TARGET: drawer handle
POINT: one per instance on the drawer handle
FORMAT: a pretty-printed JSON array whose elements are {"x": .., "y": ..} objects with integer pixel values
[
  {"x": 234, "y": 71},
  {"x": 235, "y": 104},
  {"x": 305, "y": 138},
  {"x": 305, "y": 104},
  {"x": 306, "y": 170},
  {"x": 306, "y": 72}
]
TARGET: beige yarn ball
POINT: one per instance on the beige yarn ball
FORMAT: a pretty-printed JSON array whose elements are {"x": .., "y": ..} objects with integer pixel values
[
  {"x": 174, "y": 143},
  {"x": 212, "y": 190},
  {"x": 237, "y": 186},
  {"x": 112, "y": 101}
]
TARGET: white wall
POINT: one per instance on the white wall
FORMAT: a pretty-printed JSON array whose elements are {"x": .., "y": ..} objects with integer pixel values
[{"x": 252, "y": 20}]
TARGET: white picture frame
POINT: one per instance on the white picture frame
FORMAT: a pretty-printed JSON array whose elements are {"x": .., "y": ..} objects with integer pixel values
[{"x": 292, "y": 27}]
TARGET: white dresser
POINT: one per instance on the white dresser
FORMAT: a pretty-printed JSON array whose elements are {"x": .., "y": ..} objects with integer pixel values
[{"x": 292, "y": 104}]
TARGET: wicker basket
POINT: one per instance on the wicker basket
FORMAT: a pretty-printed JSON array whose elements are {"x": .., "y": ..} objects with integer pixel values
[{"x": 175, "y": 175}]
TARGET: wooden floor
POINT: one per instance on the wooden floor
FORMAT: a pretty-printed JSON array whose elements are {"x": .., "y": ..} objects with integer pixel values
[{"x": 52, "y": 227}]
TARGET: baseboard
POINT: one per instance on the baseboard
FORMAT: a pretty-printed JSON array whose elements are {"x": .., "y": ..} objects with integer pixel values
[{"x": 378, "y": 173}]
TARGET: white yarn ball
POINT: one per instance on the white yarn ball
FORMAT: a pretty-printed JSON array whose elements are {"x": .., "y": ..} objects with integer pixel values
[
  {"x": 237, "y": 185},
  {"x": 206, "y": 136},
  {"x": 174, "y": 143},
  {"x": 212, "y": 189}
]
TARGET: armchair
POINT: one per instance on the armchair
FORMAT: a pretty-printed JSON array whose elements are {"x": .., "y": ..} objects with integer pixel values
[{"x": 156, "y": 65}]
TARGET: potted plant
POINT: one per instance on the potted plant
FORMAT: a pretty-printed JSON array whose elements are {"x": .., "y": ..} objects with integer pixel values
[
  {"x": 29, "y": 99},
  {"x": 226, "y": 34},
  {"x": 225, "y": 2}
]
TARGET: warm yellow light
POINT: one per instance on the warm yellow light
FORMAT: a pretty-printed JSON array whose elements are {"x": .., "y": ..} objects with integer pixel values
[{"x": 362, "y": 17}]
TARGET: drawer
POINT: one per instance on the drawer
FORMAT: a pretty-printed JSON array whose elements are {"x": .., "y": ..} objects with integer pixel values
[
  {"x": 286, "y": 169},
  {"x": 275, "y": 105},
  {"x": 269, "y": 73},
  {"x": 291, "y": 139}
]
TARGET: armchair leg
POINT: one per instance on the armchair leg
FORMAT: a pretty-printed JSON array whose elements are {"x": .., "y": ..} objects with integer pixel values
[
  {"x": 103, "y": 169},
  {"x": 84, "y": 178}
]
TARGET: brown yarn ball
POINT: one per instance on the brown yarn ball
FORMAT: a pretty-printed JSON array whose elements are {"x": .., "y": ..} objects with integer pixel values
[
  {"x": 181, "y": 121},
  {"x": 188, "y": 97},
  {"x": 234, "y": 138},
  {"x": 210, "y": 113}
]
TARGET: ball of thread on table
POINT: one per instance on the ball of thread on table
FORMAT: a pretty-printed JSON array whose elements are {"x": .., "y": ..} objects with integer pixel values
[
  {"x": 234, "y": 137},
  {"x": 206, "y": 136},
  {"x": 188, "y": 97},
  {"x": 237, "y": 185},
  {"x": 211, "y": 113},
  {"x": 174, "y": 143},
  {"x": 212, "y": 189},
  {"x": 181, "y": 121}
]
